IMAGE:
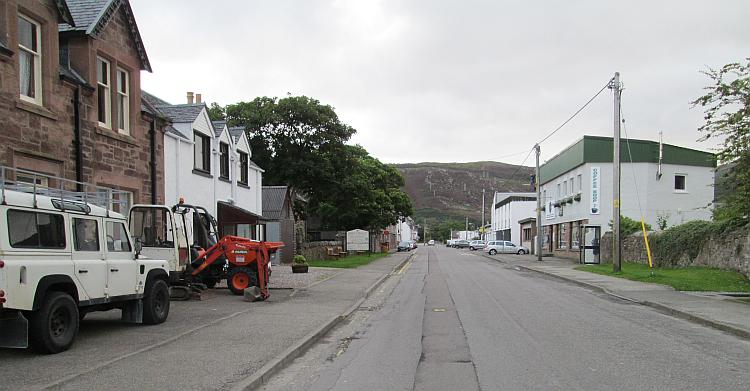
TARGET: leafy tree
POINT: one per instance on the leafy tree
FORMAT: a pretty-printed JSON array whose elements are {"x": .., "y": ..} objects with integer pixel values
[
  {"x": 629, "y": 226},
  {"x": 216, "y": 112},
  {"x": 301, "y": 143},
  {"x": 726, "y": 105}
]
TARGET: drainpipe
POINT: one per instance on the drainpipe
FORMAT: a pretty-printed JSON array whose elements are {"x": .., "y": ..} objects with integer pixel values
[
  {"x": 77, "y": 135},
  {"x": 154, "y": 199}
]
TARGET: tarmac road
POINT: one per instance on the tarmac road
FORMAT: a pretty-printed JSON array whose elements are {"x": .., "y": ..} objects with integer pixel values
[{"x": 454, "y": 320}]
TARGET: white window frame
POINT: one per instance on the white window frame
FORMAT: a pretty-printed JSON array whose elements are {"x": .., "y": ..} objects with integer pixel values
[
  {"x": 37, "y": 99},
  {"x": 124, "y": 111},
  {"x": 676, "y": 190},
  {"x": 108, "y": 95}
]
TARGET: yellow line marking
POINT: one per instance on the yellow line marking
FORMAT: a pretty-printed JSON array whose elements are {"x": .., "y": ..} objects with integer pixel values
[
  {"x": 438, "y": 310},
  {"x": 403, "y": 268}
]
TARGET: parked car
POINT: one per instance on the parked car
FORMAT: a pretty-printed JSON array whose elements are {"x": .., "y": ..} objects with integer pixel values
[
  {"x": 414, "y": 245},
  {"x": 72, "y": 258},
  {"x": 449, "y": 242},
  {"x": 403, "y": 246},
  {"x": 504, "y": 247},
  {"x": 476, "y": 245},
  {"x": 461, "y": 244},
  {"x": 431, "y": 243}
]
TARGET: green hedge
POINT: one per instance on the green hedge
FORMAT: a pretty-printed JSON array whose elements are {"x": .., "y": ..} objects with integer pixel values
[{"x": 671, "y": 244}]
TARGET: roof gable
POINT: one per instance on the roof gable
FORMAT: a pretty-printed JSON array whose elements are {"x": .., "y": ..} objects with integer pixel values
[{"x": 91, "y": 17}]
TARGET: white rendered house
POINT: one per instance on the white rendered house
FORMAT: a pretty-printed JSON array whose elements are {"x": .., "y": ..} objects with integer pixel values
[
  {"x": 209, "y": 165},
  {"x": 507, "y": 210}
]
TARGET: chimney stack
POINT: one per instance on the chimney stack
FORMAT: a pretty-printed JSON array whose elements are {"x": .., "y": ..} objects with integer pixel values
[
  {"x": 198, "y": 98},
  {"x": 190, "y": 97}
]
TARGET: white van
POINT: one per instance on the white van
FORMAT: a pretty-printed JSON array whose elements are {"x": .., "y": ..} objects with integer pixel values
[{"x": 61, "y": 258}]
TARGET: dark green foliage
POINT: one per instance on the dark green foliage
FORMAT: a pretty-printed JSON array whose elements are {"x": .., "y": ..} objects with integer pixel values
[
  {"x": 216, "y": 112},
  {"x": 301, "y": 143},
  {"x": 727, "y": 114},
  {"x": 669, "y": 245},
  {"x": 629, "y": 226}
]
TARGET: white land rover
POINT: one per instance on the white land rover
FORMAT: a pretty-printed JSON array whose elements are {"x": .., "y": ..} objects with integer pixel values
[{"x": 61, "y": 258}]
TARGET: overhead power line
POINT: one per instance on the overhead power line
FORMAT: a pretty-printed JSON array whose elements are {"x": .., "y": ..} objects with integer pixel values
[{"x": 577, "y": 112}]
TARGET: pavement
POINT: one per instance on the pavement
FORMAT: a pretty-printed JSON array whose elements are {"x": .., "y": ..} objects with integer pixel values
[
  {"x": 454, "y": 320},
  {"x": 713, "y": 309},
  {"x": 219, "y": 342}
]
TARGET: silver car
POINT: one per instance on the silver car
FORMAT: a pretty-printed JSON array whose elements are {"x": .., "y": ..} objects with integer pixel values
[
  {"x": 504, "y": 247},
  {"x": 476, "y": 245}
]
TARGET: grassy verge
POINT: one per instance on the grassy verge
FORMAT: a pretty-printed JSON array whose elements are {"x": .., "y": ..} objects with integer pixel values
[
  {"x": 683, "y": 279},
  {"x": 349, "y": 262}
]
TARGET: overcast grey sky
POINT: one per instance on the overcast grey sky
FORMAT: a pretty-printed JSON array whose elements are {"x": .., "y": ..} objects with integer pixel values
[{"x": 452, "y": 80}]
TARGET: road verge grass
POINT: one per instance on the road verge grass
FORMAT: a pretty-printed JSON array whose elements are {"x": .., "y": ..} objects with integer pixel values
[
  {"x": 347, "y": 262},
  {"x": 693, "y": 278}
]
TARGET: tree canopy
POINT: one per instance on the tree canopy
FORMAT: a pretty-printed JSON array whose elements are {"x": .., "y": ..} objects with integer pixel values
[
  {"x": 726, "y": 104},
  {"x": 301, "y": 143}
]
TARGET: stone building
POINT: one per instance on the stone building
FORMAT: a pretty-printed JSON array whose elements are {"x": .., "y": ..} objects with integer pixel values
[{"x": 70, "y": 97}]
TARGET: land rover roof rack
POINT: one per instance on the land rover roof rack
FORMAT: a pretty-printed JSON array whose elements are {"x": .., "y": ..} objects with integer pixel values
[{"x": 66, "y": 194}]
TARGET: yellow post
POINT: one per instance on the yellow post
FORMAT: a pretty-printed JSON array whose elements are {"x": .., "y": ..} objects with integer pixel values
[{"x": 648, "y": 249}]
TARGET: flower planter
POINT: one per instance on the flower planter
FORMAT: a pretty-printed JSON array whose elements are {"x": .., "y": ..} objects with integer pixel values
[
  {"x": 299, "y": 268},
  {"x": 577, "y": 197}
]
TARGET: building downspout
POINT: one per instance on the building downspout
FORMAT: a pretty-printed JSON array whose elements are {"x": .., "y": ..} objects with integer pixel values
[
  {"x": 78, "y": 137},
  {"x": 154, "y": 199}
]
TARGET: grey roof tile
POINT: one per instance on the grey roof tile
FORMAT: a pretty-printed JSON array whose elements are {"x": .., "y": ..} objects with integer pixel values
[
  {"x": 85, "y": 13},
  {"x": 154, "y": 100},
  {"x": 176, "y": 132},
  {"x": 236, "y": 132},
  {"x": 273, "y": 201},
  {"x": 72, "y": 75},
  {"x": 218, "y": 127},
  {"x": 182, "y": 113}
]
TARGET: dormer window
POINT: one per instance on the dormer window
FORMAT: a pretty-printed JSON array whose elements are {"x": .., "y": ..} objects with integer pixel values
[
  {"x": 30, "y": 59},
  {"x": 224, "y": 161},
  {"x": 104, "y": 106}
]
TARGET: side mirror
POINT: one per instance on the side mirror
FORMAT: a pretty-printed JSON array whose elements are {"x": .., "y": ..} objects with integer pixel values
[{"x": 138, "y": 247}]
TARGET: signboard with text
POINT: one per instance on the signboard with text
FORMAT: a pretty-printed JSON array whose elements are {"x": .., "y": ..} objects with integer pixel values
[
  {"x": 357, "y": 240},
  {"x": 596, "y": 182}
]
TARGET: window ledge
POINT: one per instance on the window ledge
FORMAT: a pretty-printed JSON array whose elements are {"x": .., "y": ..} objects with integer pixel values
[
  {"x": 681, "y": 192},
  {"x": 112, "y": 134},
  {"x": 224, "y": 179},
  {"x": 243, "y": 185},
  {"x": 202, "y": 173},
  {"x": 35, "y": 109}
]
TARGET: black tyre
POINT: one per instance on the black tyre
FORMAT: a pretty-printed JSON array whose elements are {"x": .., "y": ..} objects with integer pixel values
[
  {"x": 241, "y": 278},
  {"x": 54, "y": 326},
  {"x": 493, "y": 252},
  {"x": 210, "y": 282},
  {"x": 156, "y": 303},
  {"x": 521, "y": 252}
]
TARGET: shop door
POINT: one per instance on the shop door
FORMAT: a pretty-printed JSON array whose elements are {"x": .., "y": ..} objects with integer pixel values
[{"x": 591, "y": 238}]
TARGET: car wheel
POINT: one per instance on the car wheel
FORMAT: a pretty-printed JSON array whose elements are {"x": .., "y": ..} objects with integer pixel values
[
  {"x": 54, "y": 326},
  {"x": 156, "y": 303},
  {"x": 521, "y": 252},
  {"x": 493, "y": 252}
]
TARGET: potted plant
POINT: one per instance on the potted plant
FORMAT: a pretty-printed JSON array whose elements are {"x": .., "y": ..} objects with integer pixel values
[
  {"x": 300, "y": 264},
  {"x": 577, "y": 197},
  {"x": 569, "y": 200}
]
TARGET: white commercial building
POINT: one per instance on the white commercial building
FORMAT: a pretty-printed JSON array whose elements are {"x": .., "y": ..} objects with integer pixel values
[
  {"x": 663, "y": 182},
  {"x": 208, "y": 164},
  {"x": 507, "y": 210}
]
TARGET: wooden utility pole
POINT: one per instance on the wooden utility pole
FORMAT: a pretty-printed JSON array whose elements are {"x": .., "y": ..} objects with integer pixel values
[
  {"x": 617, "y": 240},
  {"x": 537, "y": 183},
  {"x": 481, "y": 233}
]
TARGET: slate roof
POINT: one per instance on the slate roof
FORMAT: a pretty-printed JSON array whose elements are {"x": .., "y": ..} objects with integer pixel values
[
  {"x": 91, "y": 17},
  {"x": 236, "y": 132},
  {"x": 176, "y": 132},
  {"x": 70, "y": 74},
  {"x": 182, "y": 113},
  {"x": 218, "y": 127},
  {"x": 273, "y": 201}
]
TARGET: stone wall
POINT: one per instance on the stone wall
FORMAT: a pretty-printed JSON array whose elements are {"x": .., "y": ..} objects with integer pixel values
[
  {"x": 729, "y": 251},
  {"x": 317, "y": 250}
]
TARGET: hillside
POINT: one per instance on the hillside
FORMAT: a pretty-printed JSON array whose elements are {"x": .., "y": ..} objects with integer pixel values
[{"x": 454, "y": 190}]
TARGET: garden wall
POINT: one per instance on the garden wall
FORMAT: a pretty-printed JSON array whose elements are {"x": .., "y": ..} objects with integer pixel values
[
  {"x": 729, "y": 250},
  {"x": 317, "y": 250}
]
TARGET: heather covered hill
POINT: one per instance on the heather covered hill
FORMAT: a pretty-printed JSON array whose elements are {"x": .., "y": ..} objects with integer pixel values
[{"x": 445, "y": 191}]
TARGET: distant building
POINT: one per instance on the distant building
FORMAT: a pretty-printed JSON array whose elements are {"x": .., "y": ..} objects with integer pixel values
[
  {"x": 279, "y": 213},
  {"x": 507, "y": 210},
  {"x": 577, "y": 188}
]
